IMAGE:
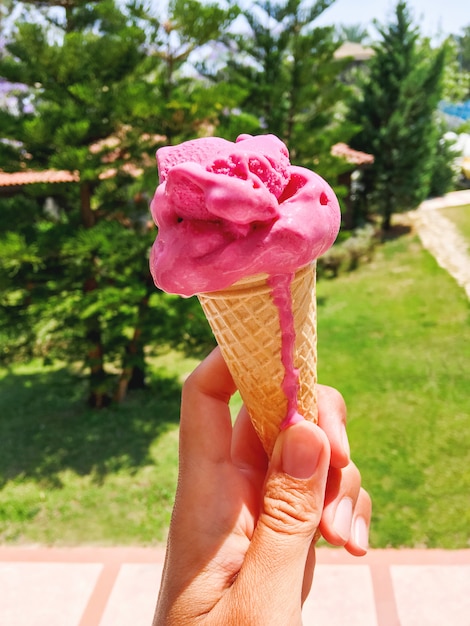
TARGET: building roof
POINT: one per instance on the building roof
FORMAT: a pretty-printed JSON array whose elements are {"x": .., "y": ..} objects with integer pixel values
[
  {"x": 112, "y": 151},
  {"x": 355, "y": 157},
  {"x": 29, "y": 177},
  {"x": 355, "y": 51}
]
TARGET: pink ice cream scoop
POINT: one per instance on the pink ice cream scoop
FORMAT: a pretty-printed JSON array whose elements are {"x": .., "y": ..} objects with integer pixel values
[
  {"x": 241, "y": 227},
  {"x": 228, "y": 210}
]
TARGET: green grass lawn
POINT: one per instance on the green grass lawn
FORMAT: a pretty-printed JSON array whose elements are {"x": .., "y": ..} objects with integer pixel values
[
  {"x": 394, "y": 338},
  {"x": 460, "y": 216},
  {"x": 72, "y": 475}
]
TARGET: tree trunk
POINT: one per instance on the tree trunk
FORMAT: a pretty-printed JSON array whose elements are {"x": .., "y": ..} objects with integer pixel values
[
  {"x": 98, "y": 396},
  {"x": 132, "y": 375},
  {"x": 387, "y": 219},
  {"x": 134, "y": 369},
  {"x": 88, "y": 215}
]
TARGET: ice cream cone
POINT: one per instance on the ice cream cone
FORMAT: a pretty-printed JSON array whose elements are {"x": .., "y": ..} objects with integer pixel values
[{"x": 245, "y": 322}]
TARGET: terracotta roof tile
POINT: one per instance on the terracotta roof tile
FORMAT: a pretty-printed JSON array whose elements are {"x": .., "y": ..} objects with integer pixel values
[
  {"x": 31, "y": 177},
  {"x": 355, "y": 157}
]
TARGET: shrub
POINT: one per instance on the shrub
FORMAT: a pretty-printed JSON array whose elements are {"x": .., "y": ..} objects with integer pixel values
[{"x": 349, "y": 253}]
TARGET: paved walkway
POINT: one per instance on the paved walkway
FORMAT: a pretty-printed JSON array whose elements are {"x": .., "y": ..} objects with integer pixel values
[
  {"x": 118, "y": 587},
  {"x": 441, "y": 237}
]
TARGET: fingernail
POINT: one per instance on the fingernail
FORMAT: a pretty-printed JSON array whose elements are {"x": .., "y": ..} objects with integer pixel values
[
  {"x": 361, "y": 533},
  {"x": 343, "y": 518},
  {"x": 300, "y": 450}
]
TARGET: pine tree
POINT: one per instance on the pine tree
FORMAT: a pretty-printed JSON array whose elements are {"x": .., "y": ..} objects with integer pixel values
[
  {"x": 291, "y": 79},
  {"x": 93, "y": 102},
  {"x": 396, "y": 112},
  {"x": 463, "y": 42}
]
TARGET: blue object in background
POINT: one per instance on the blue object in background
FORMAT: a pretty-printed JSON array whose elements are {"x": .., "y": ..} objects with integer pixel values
[{"x": 460, "y": 110}]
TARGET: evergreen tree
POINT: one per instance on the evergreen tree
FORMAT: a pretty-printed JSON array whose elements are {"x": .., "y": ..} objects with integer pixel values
[
  {"x": 396, "y": 112},
  {"x": 92, "y": 102},
  {"x": 286, "y": 66},
  {"x": 355, "y": 33},
  {"x": 456, "y": 83},
  {"x": 463, "y": 42},
  {"x": 186, "y": 104},
  {"x": 444, "y": 173}
]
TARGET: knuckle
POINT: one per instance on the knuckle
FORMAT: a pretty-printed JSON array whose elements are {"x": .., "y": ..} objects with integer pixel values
[{"x": 297, "y": 511}]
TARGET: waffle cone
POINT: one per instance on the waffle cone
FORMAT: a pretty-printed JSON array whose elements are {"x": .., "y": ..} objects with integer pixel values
[{"x": 245, "y": 322}]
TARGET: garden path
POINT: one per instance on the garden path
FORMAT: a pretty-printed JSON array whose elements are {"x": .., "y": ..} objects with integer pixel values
[
  {"x": 94, "y": 586},
  {"x": 441, "y": 238}
]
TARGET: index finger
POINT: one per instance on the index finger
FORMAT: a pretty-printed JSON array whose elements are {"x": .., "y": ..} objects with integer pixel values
[
  {"x": 332, "y": 420},
  {"x": 205, "y": 426}
]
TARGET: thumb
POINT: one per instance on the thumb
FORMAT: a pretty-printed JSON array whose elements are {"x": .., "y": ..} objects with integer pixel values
[{"x": 291, "y": 512}]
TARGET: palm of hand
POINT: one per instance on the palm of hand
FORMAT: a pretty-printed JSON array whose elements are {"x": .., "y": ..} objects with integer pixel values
[{"x": 223, "y": 492}]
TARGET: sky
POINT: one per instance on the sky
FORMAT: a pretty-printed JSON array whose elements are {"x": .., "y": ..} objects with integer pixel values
[{"x": 436, "y": 18}]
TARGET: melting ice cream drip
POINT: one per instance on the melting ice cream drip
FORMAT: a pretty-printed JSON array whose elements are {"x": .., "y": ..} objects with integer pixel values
[{"x": 281, "y": 294}]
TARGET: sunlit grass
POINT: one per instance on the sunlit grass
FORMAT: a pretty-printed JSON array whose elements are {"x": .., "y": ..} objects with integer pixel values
[
  {"x": 394, "y": 338},
  {"x": 460, "y": 216},
  {"x": 72, "y": 475}
]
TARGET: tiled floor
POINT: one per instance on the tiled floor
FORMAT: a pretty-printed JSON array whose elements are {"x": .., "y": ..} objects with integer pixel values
[{"x": 118, "y": 587}]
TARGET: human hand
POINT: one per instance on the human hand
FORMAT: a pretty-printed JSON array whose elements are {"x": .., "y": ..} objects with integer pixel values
[{"x": 241, "y": 540}]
